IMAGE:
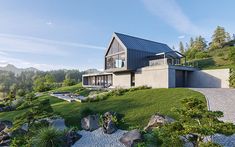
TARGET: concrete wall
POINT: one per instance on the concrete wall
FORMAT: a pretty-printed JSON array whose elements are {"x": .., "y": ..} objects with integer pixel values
[
  {"x": 217, "y": 78},
  {"x": 122, "y": 79},
  {"x": 153, "y": 76}
]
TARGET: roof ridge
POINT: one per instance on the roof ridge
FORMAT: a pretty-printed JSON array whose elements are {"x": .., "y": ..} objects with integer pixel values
[{"x": 140, "y": 38}]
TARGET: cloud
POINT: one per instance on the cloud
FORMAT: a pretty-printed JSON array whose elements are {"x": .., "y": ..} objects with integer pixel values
[
  {"x": 181, "y": 37},
  {"x": 28, "y": 44},
  {"x": 49, "y": 23},
  {"x": 171, "y": 13}
]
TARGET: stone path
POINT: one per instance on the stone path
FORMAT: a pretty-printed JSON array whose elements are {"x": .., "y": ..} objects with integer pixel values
[
  {"x": 219, "y": 99},
  {"x": 98, "y": 139}
]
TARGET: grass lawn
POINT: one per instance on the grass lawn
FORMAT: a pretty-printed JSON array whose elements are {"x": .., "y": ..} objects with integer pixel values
[{"x": 136, "y": 106}]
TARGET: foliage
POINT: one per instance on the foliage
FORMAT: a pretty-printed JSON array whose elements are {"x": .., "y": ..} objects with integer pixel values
[
  {"x": 232, "y": 78},
  {"x": 219, "y": 38},
  {"x": 85, "y": 111},
  {"x": 69, "y": 82},
  {"x": 194, "y": 124},
  {"x": 181, "y": 47},
  {"x": 231, "y": 55},
  {"x": 49, "y": 137},
  {"x": 39, "y": 110}
]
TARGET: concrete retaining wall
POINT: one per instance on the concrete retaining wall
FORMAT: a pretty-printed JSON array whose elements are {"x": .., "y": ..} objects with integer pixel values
[
  {"x": 217, "y": 78},
  {"x": 153, "y": 76},
  {"x": 122, "y": 80}
]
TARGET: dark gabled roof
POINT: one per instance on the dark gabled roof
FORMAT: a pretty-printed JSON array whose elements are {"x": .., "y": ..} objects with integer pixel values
[{"x": 142, "y": 44}]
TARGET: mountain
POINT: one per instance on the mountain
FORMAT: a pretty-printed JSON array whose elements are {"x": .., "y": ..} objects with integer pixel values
[
  {"x": 16, "y": 70},
  {"x": 90, "y": 71}
]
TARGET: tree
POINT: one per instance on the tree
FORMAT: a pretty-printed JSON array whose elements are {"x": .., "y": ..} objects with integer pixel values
[
  {"x": 219, "y": 37},
  {"x": 49, "y": 78},
  {"x": 195, "y": 123},
  {"x": 191, "y": 43},
  {"x": 199, "y": 43},
  {"x": 181, "y": 47},
  {"x": 38, "y": 110}
]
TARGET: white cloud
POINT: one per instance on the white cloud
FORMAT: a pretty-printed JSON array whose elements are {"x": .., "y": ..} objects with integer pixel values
[
  {"x": 181, "y": 37},
  {"x": 171, "y": 13},
  {"x": 49, "y": 23},
  {"x": 28, "y": 44}
]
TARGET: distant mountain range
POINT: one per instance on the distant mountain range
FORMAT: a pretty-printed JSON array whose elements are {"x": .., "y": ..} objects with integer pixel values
[{"x": 16, "y": 70}]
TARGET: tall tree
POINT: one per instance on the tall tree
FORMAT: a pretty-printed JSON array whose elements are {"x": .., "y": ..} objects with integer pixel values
[
  {"x": 191, "y": 42},
  {"x": 181, "y": 47},
  {"x": 199, "y": 43},
  {"x": 219, "y": 37}
]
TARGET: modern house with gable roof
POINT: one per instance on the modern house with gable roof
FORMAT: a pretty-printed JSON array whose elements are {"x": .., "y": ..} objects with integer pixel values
[{"x": 130, "y": 62}]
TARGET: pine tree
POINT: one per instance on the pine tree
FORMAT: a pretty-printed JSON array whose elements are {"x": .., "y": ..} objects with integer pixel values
[
  {"x": 199, "y": 43},
  {"x": 219, "y": 37},
  {"x": 191, "y": 42},
  {"x": 181, "y": 47}
]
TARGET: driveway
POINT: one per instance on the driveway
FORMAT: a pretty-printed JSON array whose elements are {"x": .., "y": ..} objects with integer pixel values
[{"x": 219, "y": 99}]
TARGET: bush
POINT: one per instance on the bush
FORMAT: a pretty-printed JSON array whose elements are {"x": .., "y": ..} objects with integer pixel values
[
  {"x": 232, "y": 78},
  {"x": 201, "y": 55},
  {"x": 231, "y": 55},
  {"x": 49, "y": 137},
  {"x": 18, "y": 102},
  {"x": 85, "y": 111}
]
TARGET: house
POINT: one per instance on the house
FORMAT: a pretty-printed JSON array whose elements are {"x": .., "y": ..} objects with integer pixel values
[{"x": 130, "y": 62}]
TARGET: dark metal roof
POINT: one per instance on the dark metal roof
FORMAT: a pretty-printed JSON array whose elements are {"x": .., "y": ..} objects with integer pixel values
[{"x": 142, "y": 44}]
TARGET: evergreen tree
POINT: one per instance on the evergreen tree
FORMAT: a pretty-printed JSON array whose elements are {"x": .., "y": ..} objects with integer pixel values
[
  {"x": 219, "y": 37},
  {"x": 181, "y": 47},
  {"x": 199, "y": 43},
  {"x": 191, "y": 42}
]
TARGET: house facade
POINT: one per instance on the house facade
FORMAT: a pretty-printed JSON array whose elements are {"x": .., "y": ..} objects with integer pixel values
[{"x": 130, "y": 62}]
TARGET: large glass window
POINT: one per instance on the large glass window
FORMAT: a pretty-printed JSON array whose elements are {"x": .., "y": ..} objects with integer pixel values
[{"x": 115, "y": 57}]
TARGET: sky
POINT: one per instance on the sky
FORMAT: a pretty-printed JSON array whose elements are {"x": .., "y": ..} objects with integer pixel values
[{"x": 73, "y": 34}]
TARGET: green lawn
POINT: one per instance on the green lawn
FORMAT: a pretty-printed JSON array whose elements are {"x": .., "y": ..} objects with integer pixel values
[{"x": 136, "y": 106}]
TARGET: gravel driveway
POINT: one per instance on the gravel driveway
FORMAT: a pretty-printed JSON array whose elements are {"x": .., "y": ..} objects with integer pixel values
[{"x": 222, "y": 100}]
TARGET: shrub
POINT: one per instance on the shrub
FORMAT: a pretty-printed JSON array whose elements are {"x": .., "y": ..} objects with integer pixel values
[
  {"x": 231, "y": 55},
  {"x": 201, "y": 55},
  {"x": 85, "y": 111},
  {"x": 232, "y": 78},
  {"x": 49, "y": 137}
]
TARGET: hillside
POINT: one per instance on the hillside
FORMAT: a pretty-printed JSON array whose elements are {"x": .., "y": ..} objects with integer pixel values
[
  {"x": 136, "y": 107},
  {"x": 16, "y": 70},
  {"x": 219, "y": 58}
]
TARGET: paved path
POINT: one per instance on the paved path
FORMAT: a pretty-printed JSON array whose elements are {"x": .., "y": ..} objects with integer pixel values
[{"x": 222, "y": 100}]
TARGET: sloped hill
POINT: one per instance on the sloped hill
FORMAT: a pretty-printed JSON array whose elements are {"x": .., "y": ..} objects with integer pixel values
[{"x": 135, "y": 106}]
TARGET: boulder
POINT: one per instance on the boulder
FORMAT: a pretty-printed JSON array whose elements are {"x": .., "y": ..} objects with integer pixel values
[
  {"x": 5, "y": 125},
  {"x": 58, "y": 124},
  {"x": 72, "y": 137},
  {"x": 130, "y": 138},
  {"x": 90, "y": 123},
  {"x": 108, "y": 125},
  {"x": 157, "y": 120}
]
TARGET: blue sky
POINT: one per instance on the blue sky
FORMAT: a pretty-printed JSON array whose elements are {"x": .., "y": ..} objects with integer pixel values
[{"x": 73, "y": 34}]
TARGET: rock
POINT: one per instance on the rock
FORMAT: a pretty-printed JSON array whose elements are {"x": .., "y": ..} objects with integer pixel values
[
  {"x": 72, "y": 137},
  {"x": 5, "y": 143},
  {"x": 58, "y": 124},
  {"x": 17, "y": 132},
  {"x": 130, "y": 138},
  {"x": 90, "y": 123},
  {"x": 5, "y": 125},
  {"x": 157, "y": 120},
  {"x": 108, "y": 125}
]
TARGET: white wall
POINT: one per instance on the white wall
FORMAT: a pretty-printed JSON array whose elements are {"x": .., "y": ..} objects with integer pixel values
[{"x": 217, "y": 78}]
